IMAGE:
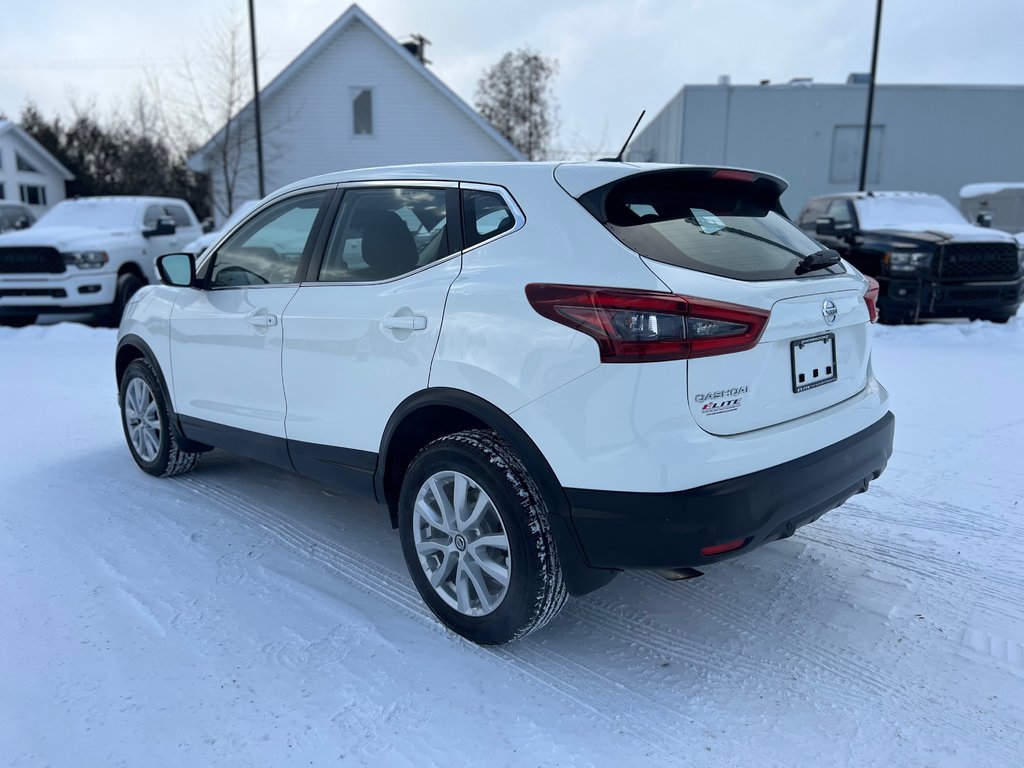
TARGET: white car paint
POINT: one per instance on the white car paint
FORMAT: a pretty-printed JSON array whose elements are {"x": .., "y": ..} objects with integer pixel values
[{"x": 628, "y": 427}]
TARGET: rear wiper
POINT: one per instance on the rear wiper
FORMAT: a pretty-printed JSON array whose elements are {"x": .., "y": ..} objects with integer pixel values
[{"x": 819, "y": 260}]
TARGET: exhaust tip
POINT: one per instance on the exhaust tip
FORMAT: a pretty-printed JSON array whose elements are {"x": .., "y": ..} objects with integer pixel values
[{"x": 679, "y": 574}]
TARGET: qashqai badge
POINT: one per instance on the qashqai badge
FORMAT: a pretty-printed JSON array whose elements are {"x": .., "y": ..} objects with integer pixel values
[{"x": 829, "y": 311}]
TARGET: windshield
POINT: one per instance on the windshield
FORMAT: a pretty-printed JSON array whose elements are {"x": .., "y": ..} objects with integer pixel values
[
  {"x": 910, "y": 212},
  {"x": 239, "y": 213},
  {"x": 98, "y": 214},
  {"x": 730, "y": 229}
]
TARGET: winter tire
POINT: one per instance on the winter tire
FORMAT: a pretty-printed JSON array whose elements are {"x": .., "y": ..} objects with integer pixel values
[
  {"x": 476, "y": 539},
  {"x": 146, "y": 419},
  {"x": 18, "y": 321}
]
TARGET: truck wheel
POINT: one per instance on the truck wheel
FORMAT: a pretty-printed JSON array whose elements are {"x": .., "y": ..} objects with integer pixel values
[
  {"x": 891, "y": 318},
  {"x": 146, "y": 418},
  {"x": 18, "y": 321},
  {"x": 127, "y": 285},
  {"x": 475, "y": 535}
]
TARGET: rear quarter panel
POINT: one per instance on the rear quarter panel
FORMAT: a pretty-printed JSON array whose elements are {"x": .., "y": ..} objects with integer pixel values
[{"x": 492, "y": 342}]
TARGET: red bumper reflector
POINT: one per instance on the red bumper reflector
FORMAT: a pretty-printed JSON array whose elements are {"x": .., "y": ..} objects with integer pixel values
[{"x": 721, "y": 549}]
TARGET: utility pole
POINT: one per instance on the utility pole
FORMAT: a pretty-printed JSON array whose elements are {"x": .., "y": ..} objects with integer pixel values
[
  {"x": 256, "y": 98},
  {"x": 871, "y": 100}
]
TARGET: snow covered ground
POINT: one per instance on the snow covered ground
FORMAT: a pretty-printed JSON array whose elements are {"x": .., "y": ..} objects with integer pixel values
[{"x": 240, "y": 616}]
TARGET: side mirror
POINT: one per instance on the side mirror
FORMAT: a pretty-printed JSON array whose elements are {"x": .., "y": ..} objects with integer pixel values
[
  {"x": 177, "y": 269},
  {"x": 164, "y": 226},
  {"x": 829, "y": 226},
  {"x": 984, "y": 219},
  {"x": 825, "y": 226}
]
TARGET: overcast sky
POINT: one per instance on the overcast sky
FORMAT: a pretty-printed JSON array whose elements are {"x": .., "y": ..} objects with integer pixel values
[{"x": 616, "y": 57}]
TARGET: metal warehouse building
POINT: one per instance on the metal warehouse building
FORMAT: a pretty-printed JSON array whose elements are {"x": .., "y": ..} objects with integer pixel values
[{"x": 927, "y": 138}]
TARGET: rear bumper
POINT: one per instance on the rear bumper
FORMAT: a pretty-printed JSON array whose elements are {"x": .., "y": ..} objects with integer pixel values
[
  {"x": 667, "y": 530},
  {"x": 928, "y": 298}
]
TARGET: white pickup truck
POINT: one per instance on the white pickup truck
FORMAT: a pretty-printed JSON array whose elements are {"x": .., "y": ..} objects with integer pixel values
[{"x": 89, "y": 255}]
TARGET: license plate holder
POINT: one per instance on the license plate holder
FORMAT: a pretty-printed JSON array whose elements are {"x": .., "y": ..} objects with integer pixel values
[{"x": 813, "y": 361}]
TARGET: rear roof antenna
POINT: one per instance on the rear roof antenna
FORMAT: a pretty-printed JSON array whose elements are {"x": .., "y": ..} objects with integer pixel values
[{"x": 618, "y": 157}]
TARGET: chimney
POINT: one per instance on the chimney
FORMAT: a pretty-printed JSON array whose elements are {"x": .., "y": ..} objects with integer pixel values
[{"x": 417, "y": 46}]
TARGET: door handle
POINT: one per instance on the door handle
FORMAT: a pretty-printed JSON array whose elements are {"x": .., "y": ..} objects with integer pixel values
[
  {"x": 261, "y": 321},
  {"x": 404, "y": 323}
]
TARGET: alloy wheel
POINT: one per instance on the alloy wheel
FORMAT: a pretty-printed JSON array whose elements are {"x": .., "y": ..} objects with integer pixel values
[
  {"x": 142, "y": 417},
  {"x": 461, "y": 543}
]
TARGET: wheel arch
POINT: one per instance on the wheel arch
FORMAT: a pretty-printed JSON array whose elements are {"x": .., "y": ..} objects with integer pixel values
[
  {"x": 130, "y": 267},
  {"x": 439, "y": 411},
  {"x": 130, "y": 348}
]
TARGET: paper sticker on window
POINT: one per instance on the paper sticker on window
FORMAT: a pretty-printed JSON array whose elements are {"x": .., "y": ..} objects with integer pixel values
[{"x": 707, "y": 221}]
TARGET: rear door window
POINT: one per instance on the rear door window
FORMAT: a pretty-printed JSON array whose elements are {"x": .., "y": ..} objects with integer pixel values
[
  {"x": 384, "y": 232},
  {"x": 179, "y": 214},
  {"x": 729, "y": 228}
]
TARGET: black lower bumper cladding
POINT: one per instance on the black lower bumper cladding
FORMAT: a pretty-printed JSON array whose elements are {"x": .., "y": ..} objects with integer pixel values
[{"x": 668, "y": 530}]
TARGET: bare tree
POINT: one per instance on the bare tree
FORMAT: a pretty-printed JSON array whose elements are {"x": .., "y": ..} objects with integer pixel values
[
  {"x": 218, "y": 93},
  {"x": 515, "y": 96}
]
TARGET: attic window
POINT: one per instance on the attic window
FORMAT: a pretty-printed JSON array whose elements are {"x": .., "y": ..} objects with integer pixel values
[
  {"x": 23, "y": 164},
  {"x": 362, "y": 111}
]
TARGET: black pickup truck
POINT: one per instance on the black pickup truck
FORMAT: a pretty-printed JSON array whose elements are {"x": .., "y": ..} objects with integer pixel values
[{"x": 928, "y": 259}]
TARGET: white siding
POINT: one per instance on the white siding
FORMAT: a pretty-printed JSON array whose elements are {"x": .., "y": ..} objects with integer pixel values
[
  {"x": 12, "y": 178},
  {"x": 307, "y": 124}
]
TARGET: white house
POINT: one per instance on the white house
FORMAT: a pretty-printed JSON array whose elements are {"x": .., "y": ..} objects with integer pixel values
[
  {"x": 28, "y": 173},
  {"x": 354, "y": 98}
]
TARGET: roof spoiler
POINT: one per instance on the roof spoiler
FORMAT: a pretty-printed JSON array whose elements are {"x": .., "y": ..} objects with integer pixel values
[{"x": 766, "y": 187}]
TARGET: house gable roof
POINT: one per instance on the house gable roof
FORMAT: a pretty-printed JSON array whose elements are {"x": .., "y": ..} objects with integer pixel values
[
  {"x": 352, "y": 15},
  {"x": 6, "y": 126}
]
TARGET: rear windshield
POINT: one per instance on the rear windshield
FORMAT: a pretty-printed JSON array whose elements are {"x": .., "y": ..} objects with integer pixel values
[{"x": 726, "y": 228}]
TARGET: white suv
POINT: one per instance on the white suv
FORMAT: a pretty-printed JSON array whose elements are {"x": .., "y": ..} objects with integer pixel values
[{"x": 548, "y": 373}]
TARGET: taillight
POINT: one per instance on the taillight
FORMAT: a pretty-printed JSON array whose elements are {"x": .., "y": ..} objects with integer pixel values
[
  {"x": 642, "y": 326},
  {"x": 871, "y": 299}
]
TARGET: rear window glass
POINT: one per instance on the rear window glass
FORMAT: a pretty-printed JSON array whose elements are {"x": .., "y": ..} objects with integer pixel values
[{"x": 727, "y": 228}]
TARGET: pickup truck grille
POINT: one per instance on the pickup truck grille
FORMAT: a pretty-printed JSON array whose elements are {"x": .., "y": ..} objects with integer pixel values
[
  {"x": 24, "y": 261},
  {"x": 977, "y": 260}
]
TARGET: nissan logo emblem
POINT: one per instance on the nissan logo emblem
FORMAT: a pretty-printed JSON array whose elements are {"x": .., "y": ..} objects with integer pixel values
[{"x": 829, "y": 311}]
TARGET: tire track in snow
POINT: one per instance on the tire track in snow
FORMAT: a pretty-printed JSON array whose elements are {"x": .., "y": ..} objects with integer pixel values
[
  {"x": 943, "y": 517},
  {"x": 548, "y": 668},
  {"x": 855, "y": 680},
  {"x": 849, "y": 677},
  {"x": 1000, "y": 591}
]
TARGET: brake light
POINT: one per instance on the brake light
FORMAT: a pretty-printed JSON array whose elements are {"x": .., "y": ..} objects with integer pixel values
[
  {"x": 871, "y": 299},
  {"x": 644, "y": 326},
  {"x": 731, "y": 175}
]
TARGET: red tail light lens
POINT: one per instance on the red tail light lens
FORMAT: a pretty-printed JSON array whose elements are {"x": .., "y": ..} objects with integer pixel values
[
  {"x": 642, "y": 326},
  {"x": 871, "y": 299}
]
